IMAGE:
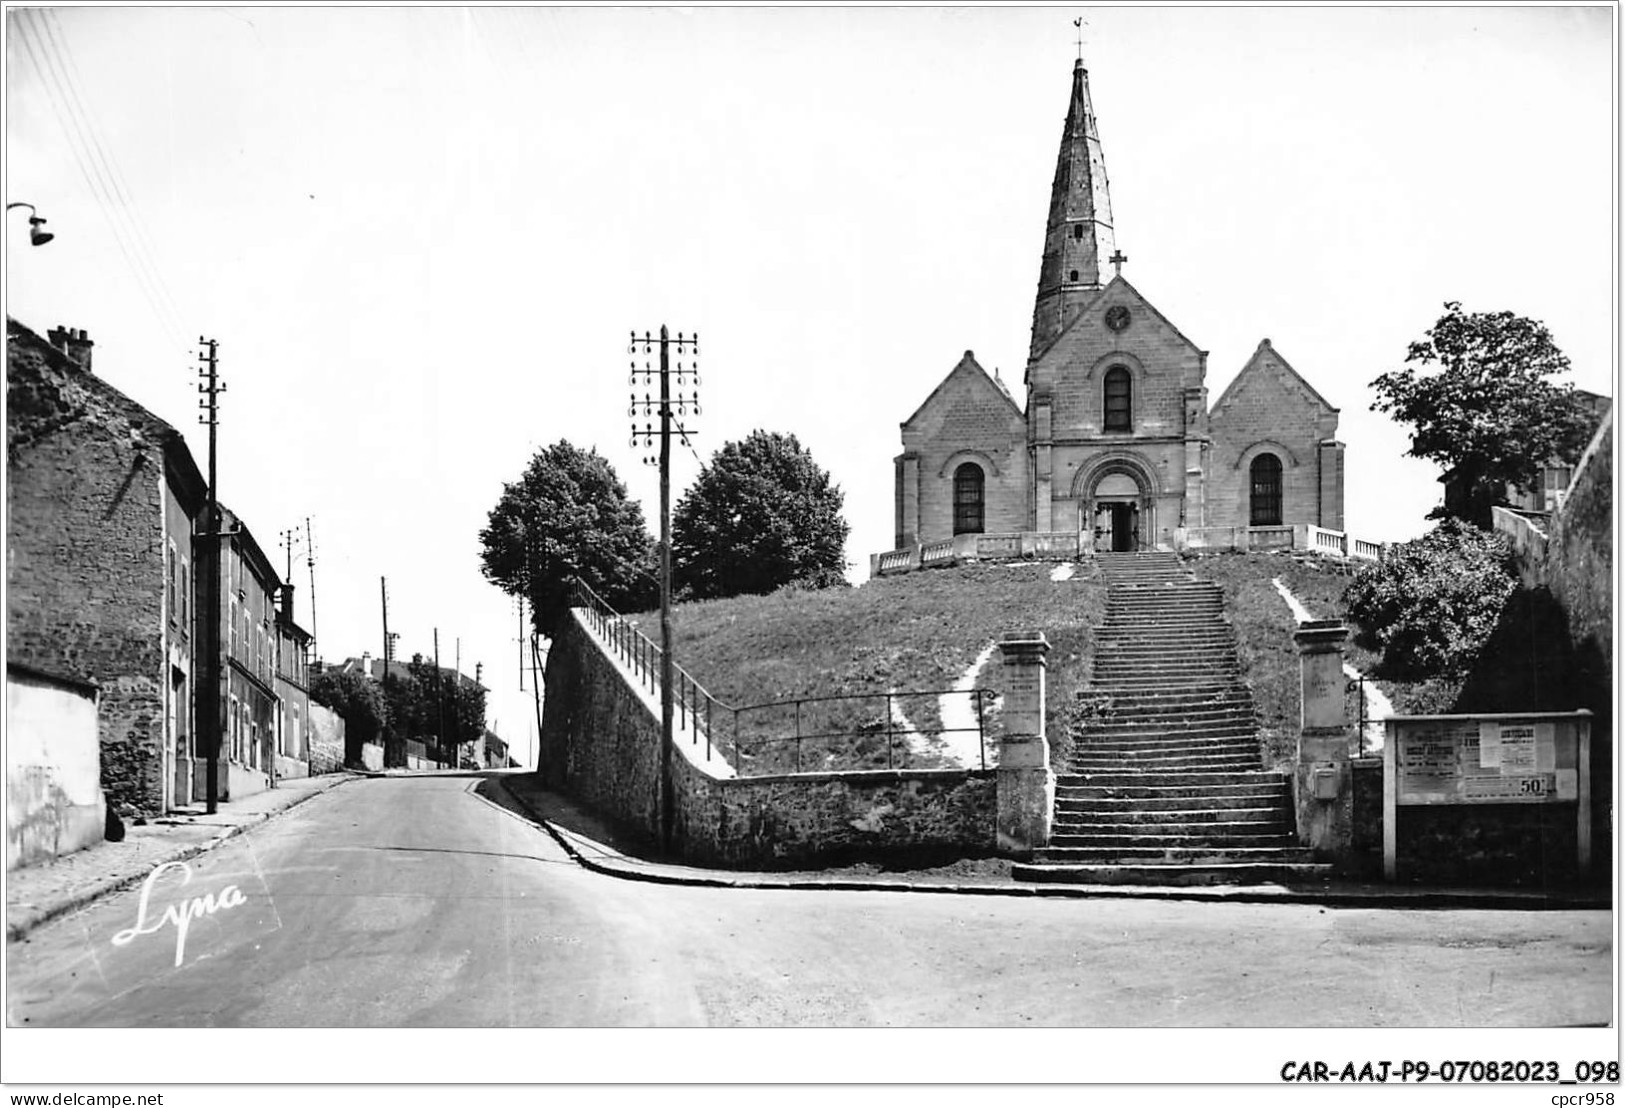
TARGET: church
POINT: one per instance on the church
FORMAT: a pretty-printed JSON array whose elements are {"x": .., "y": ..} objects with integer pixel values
[{"x": 1114, "y": 447}]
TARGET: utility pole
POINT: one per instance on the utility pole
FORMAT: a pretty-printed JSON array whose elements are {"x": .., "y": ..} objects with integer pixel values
[
  {"x": 310, "y": 563},
  {"x": 213, "y": 724},
  {"x": 439, "y": 702},
  {"x": 647, "y": 407},
  {"x": 383, "y": 597},
  {"x": 383, "y": 686},
  {"x": 521, "y": 642}
]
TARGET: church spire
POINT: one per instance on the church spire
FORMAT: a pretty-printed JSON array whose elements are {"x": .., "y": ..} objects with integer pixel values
[{"x": 1078, "y": 238}]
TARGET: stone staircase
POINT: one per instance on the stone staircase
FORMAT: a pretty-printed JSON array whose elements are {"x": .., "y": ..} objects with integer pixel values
[{"x": 1166, "y": 785}]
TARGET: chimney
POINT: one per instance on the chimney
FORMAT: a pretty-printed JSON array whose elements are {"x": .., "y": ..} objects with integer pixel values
[
  {"x": 287, "y": 603},
  {"x": 75, "y": 344},
  {"x": 366, "y": 664}
]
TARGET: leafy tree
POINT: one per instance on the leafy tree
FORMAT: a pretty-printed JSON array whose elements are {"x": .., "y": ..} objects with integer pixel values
[
  {"x": 761, "y": 516},
  {"x": 418, "y": 702},
  {"x": 1432, "y": 604},
  {"x": 358, "y": 701},
  {"x": 567, "y": 517},
  {"x": 1489, "y": 413}
]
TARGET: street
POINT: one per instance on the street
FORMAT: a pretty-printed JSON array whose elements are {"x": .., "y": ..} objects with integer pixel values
[{"x": 415, "y": 901}]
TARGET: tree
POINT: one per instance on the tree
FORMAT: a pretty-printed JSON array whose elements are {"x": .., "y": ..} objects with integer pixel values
[
  {"x": 1432, "y": 603},
  {"x": 1489, "y": 414},
  {"x": 761, "y": 516},
  {"x": 567, "y": 517},
  {"x": 358, "y": 701}
]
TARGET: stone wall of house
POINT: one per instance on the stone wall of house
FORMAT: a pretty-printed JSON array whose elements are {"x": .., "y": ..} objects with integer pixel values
[
  {"x": 601, "y": 744},
  {"x": 54, "y": 801},
  {"x": 85, "y": 543},
  {"x": 327, "y": 740},
  {"x": 1269, "y": 410}
]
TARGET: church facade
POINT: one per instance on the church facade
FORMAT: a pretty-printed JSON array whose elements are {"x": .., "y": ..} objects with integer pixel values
[{"x": 1114, "y": 445}]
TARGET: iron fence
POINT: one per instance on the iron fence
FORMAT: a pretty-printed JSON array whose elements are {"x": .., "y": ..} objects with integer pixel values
[{"x": 784, "y": 735}]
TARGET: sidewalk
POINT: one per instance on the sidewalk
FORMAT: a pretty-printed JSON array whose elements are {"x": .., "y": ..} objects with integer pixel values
[
  {"x": 39, "y": 893},
  {"x": 597, "y": 846}
]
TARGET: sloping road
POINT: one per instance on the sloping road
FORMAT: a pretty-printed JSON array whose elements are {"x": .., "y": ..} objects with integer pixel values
[{"x": 415, "y": 901}]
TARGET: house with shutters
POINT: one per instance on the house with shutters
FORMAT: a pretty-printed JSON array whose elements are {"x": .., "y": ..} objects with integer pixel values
[{"x": 1113, "y": 444}]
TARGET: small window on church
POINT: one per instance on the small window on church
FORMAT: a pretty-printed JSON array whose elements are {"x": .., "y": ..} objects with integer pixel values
[
  {"x": 1119, "y": 399},
  {"x": 1074, "y": 275},
  {"x": 1077, "y": 230},
  {"x": 1266, "y": 487},
  {"x": 968, "y": 499}
]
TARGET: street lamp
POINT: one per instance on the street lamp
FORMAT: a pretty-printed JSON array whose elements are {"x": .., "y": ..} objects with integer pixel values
[{"x": 35, "y": 236}]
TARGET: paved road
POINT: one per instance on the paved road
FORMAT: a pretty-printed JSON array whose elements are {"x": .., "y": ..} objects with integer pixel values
[{"x": 415, "y": 901}]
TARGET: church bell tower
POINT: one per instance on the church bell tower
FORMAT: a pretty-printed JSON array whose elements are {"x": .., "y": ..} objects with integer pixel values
[{"x": 1078, "y": 238}]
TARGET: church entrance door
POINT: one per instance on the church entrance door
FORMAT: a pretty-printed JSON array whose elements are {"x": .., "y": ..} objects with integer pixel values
[
  {"x": 1117, "y": 525},
  {"x": 1125, "y": 527},
  {"x": 1115, "y": 504}
]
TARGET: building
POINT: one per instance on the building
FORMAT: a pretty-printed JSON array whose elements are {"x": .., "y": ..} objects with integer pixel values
[
  {"x": 1551, "y": 482},
  {"x": 1114, "y": 445},
  {"x": 293, "y": 690},
  {"x": 418, "y": 723},
  {"x": 250, "y": 635},
  {"x": 102, "y": 499}
]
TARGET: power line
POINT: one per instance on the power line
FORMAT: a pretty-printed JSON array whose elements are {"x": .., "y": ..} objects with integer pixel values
[
  {"x": 59, "y": 39},
  {"x": 100, "y": 190}
]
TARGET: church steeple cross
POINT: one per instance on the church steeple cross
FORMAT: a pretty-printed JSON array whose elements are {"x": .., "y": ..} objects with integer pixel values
[
  {"x": 1079, "y": 24},
  {"x": 1117, "y": 259}
]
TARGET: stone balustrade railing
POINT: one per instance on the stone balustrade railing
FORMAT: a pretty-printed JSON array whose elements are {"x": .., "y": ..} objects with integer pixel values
[{"x": 1070, "y": 545}]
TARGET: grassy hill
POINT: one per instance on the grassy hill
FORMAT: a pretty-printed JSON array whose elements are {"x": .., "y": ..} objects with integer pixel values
[
  {"x": 923, "y": 630},
  {"x": 917, "y": 631}
]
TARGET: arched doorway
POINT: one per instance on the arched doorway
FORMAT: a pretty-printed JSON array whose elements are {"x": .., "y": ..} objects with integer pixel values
[{"x": 1115, "y": 515}]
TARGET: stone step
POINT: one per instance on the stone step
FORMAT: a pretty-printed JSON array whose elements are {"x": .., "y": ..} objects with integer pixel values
[
  {"x": 1174, "y": 764},
  {"x": 1147, "y": 671},
  {"x": 1109, "y": 746},
  {"x": 1174, "y": 697},
  {"x": 1263, "y": 792},
  {"x": 1152, "y": 854},
  {"x": 1152, "y": 717},
  {"x": 1165, "y": 779},
  {"x": 1139, "y": 681},
  {"x": 1146, "y": 821},
  {"x": 1204, "y": 839},
  {"x": 1193, "y": 707},
  {"x": 1081, "y": 806},
  {"x": 1172, "y": 874},
  {"x": 1152, "y": 735}
]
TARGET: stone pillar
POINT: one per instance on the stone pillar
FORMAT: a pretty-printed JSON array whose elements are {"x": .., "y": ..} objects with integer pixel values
[
  {"x": 908, "y": 500},
  {"x": 1026, "y": 784},
  {"x": 1325, "y": 778},
  {"x": 1331, "y": 485}
]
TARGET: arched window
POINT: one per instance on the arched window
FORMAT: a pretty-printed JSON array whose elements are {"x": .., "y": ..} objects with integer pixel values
[
  {"x": 968, "y": 499},
  {"x": 1119, "y": 399},
  {"x": 1266, "y": 495}
]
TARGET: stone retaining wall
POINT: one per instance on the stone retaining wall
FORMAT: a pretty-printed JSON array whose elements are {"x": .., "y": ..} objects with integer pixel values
[{"x": 601, "y": 744}]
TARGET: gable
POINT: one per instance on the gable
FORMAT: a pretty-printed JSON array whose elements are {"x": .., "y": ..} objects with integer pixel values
[
  {"x": 967, "y": 386},
  {"x": 1269, "y": 379},
  {"x": 1145, "y": 334}
]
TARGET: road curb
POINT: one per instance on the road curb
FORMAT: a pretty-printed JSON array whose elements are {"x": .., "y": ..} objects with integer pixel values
[
  {"x": 109, "y": 885},
  {"x": 1330, "y": 898}
]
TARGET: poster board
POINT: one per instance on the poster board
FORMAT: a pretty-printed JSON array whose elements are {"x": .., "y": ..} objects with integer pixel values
[{"x": 1536, "y": 758}]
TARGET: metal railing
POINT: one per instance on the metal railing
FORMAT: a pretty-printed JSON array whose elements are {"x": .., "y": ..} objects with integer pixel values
[
  {"x": 866, "y": 717},
  {"x": 754, "y": 726},
  {"x": 690, "y": 701}
]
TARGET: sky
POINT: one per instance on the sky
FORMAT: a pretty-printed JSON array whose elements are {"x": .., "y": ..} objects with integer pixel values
[{"x": 421, "y": 236}]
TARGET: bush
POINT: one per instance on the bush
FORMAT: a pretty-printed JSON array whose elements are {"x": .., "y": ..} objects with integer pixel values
[{"x": 1433, "y": 603}]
